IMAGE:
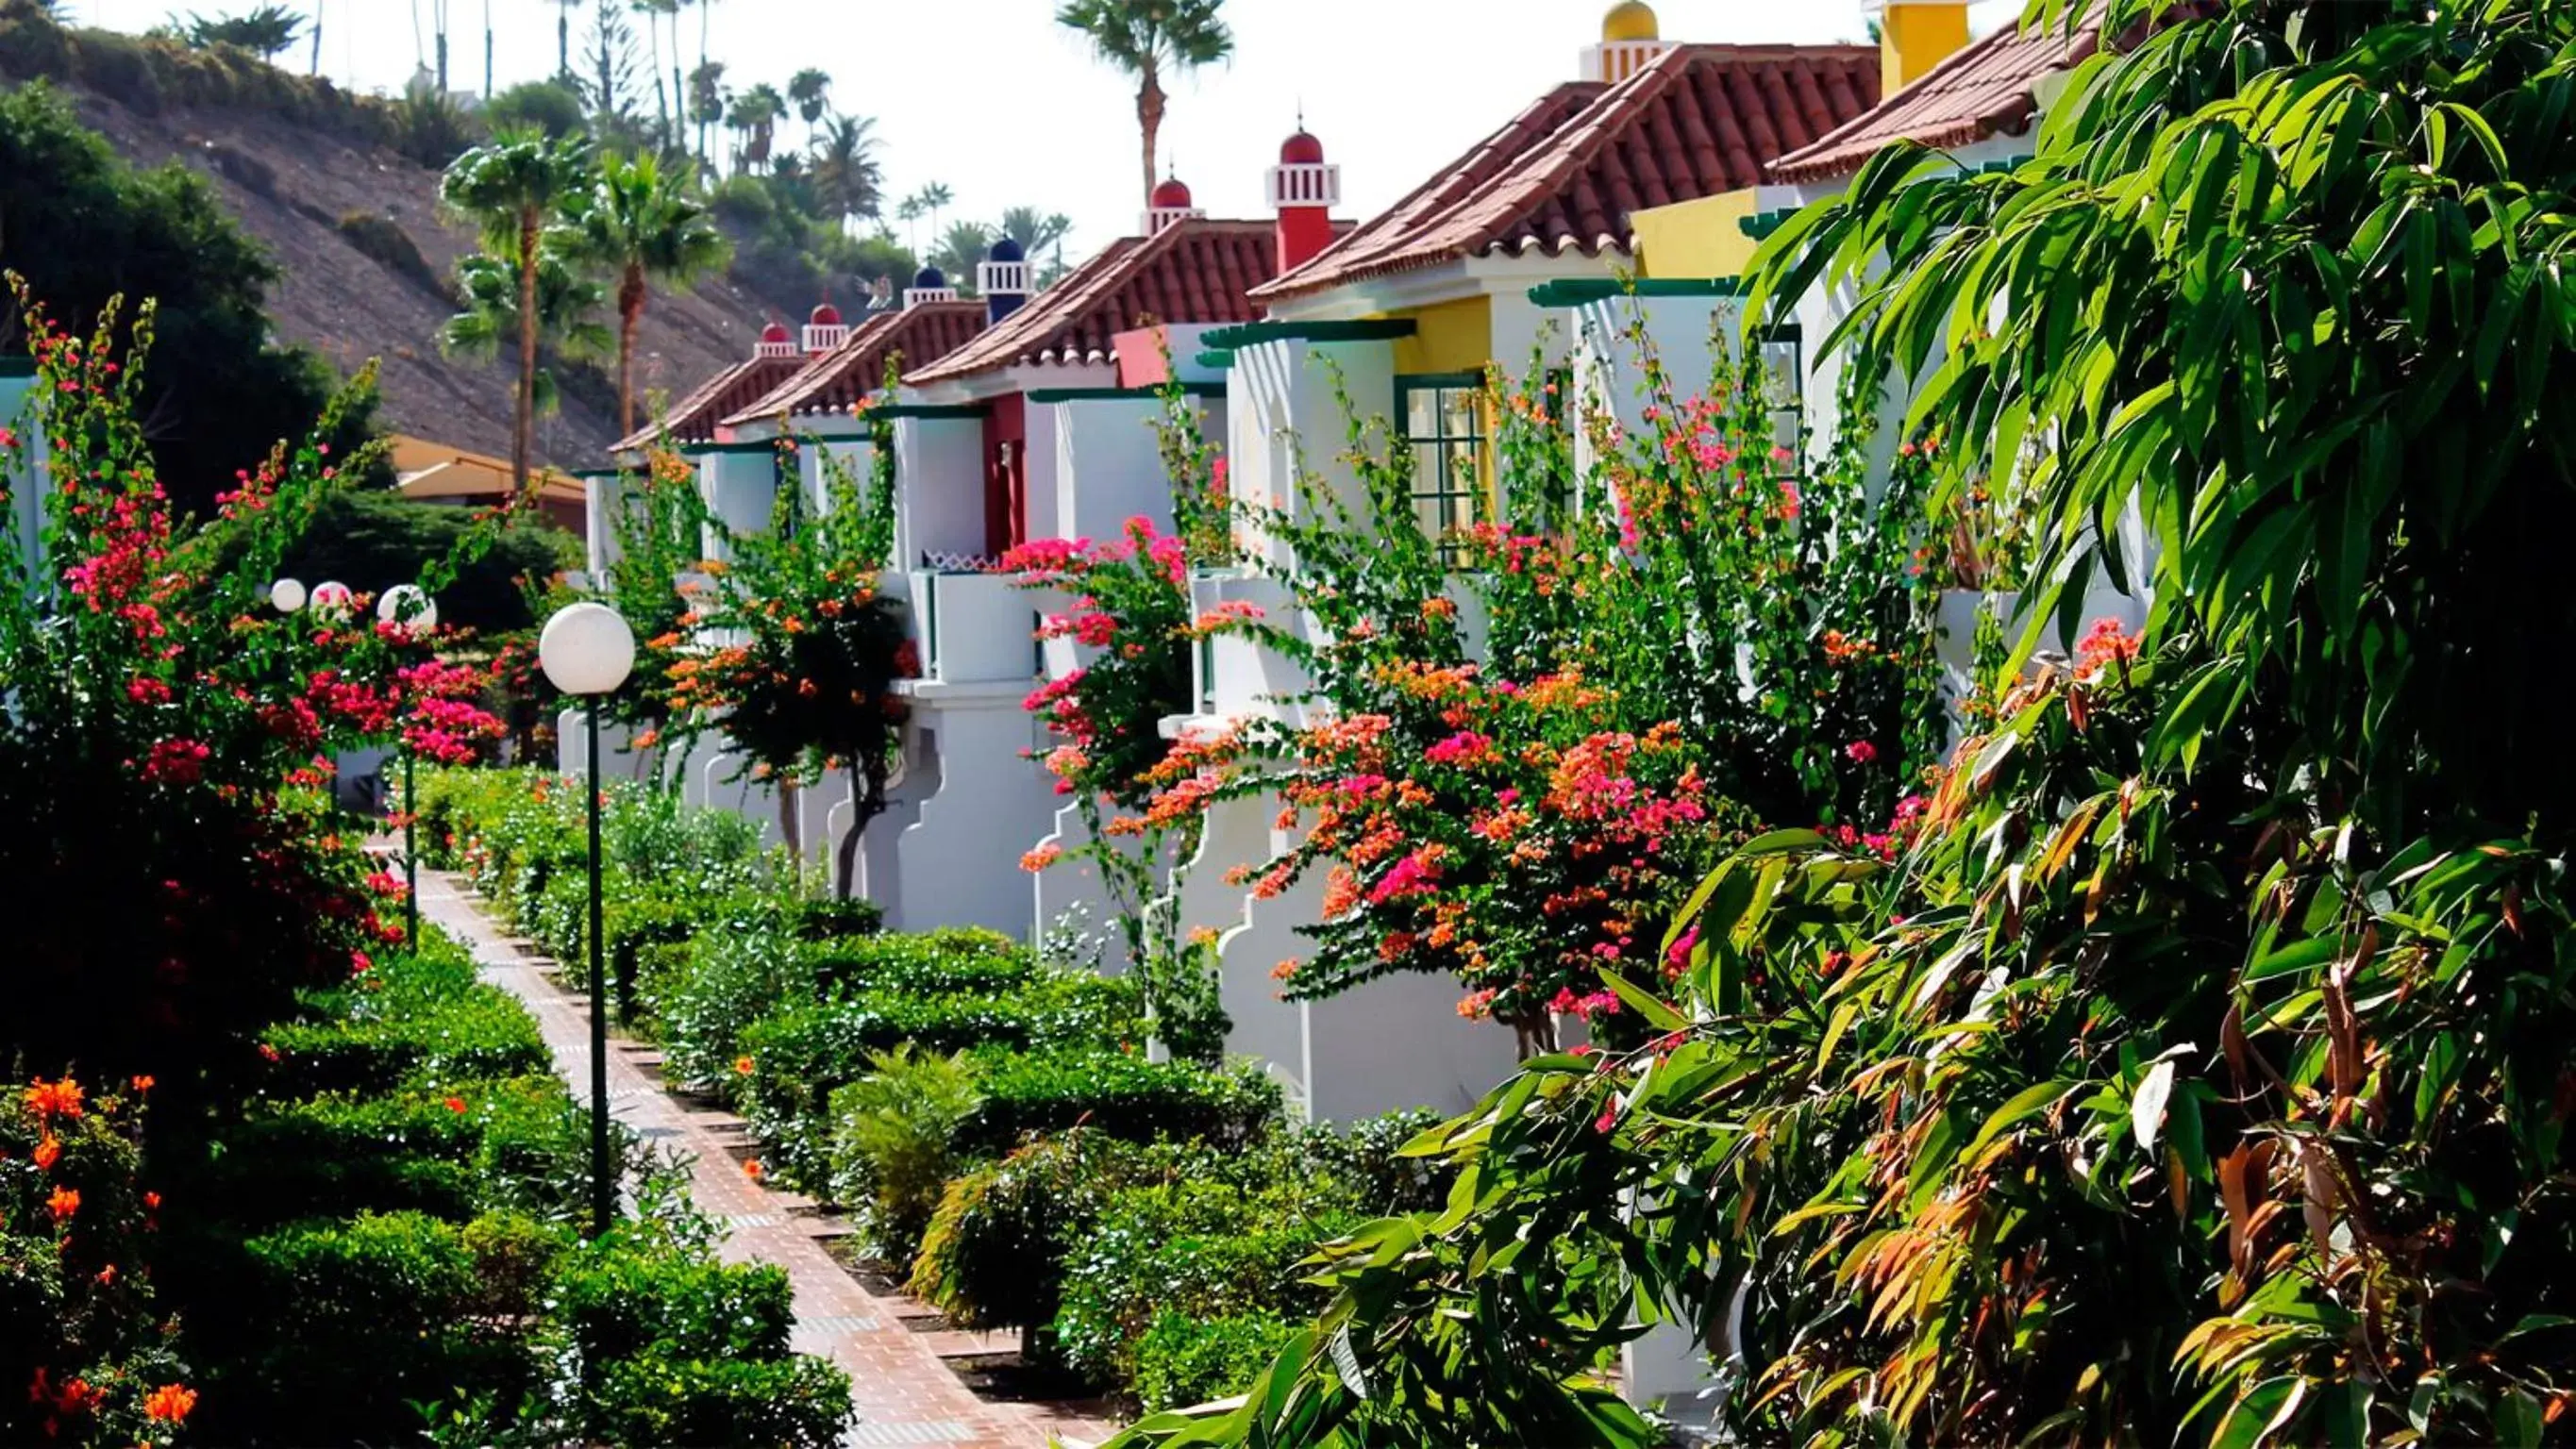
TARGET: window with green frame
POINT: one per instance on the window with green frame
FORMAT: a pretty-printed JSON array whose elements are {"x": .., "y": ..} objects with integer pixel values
[
  {"x": 1784, "y": 384},
  {"x": 1443, "y": 416}
]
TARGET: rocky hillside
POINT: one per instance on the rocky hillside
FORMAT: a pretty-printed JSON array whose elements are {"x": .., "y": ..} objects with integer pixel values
[{"x": 355, "y": 230}]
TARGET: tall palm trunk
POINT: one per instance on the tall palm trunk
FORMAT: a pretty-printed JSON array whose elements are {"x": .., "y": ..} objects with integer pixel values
[
  {"x": 524, "y": 418},
  {"x": 1149, "y": 119},
  {"x": 630, "y": 315}
]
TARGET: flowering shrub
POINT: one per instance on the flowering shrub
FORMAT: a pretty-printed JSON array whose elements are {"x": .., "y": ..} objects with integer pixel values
[
  {"x": 85, "y": 1352},
  {"x": 181, "y": 808},
  {"x": 795, "y": 653},
  {"x": 1128, "y": 613}
]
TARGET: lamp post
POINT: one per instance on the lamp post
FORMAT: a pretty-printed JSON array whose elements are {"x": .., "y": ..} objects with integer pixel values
[
  {"x": 587, "y": 651},
  {"x": 286, "y": 595},
  {"x": 407, "y": 607}
]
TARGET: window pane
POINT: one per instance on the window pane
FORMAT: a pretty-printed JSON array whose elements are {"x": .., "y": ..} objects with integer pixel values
[
  {"x": 1459, "y": 412},
  {"x": 1784, "y": 434},
  {"x": 1422, "y": 413},
  {"x": 1426, "y": 468},
  {"x": 1426, "y": 515}
]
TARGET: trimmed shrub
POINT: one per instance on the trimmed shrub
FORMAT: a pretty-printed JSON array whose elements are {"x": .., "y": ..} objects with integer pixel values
[
  {"x": 1182, "y": 1360},
  {"x": 355, "y": 1319},
  {"x": 930, "y": 963},
  {"x": 1204, "y": 1246},
  {"x": 1369, "y": 1155},
  {"x": 1121, "y": 1094},
  {"x": 417, "y": 1016},
  {"x": 800, "y": 1403},
  {"x": 622, "y": 1297},
  {"x": 801, "y": 1056}
]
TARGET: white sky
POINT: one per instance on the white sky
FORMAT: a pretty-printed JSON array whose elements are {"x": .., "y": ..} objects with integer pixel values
[{"x": 1005, "y": 107}]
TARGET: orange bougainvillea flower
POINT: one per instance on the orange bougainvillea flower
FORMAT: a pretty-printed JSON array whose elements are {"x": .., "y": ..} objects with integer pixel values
[
  {"x": 107, "y": 1276},
  {"x": 142, "y": 1084},
  {"x": 63, "y": 1203},
  {"x": 742, "y": 1066},
  {"x": 49, "y": 1150},
  {"x": 751, "y": 1169},
  {"x": 54, "y": 1099},
  {"x": 169, "y": 1402}
]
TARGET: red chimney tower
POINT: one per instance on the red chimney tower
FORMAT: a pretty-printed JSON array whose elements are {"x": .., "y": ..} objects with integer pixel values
[{"x": 1304, "y": 191}]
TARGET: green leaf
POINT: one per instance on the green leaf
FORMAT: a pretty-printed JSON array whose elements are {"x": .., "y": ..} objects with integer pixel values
[
  {"x": 1648, "y": 1005},
  {"x": 2028, "y": 1102}
]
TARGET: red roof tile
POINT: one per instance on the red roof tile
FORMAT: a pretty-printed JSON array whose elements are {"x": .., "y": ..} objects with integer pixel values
[
  {"x": 1566, "y": 173},
  {"x": 1193, "y": 271},
  {"x": 837, "y": 380},
  {"x": 694, "y": 418},
  {"x": 1983, "y": 90}
]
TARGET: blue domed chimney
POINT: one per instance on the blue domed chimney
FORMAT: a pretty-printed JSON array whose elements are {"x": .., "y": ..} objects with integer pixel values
[
  {"x": 1004, "y": 280},
  {"x": 929, "y": 286}
]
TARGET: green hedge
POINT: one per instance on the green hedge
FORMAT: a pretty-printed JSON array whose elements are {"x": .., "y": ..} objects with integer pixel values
[
  {"x": 1184, "y": 1360},
  {"x": 1121, "y": 1094}
]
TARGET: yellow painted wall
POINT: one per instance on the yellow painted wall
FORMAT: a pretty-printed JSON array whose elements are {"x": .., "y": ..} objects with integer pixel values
[
  {"x": 1695, "y": 239},
  {"x": 1447, "y": 337},
  {"x": 1914, "y": 37}
]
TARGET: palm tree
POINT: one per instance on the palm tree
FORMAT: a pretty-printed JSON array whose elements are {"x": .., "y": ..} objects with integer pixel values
[
  {"x": 934, "y": 198},
  {"x": 1146, "y": 38},
  {"x": 264, "y": 32},
  {"x": 509, "y": 187},
  {"x": 909, "y": 211},
  {"x": 757, "y": 111},
  {"x": 641, "y": 226},
  {"x": 1038, "y": 232},
  {"x": 810, "y": 89},
  {"x": 706, "y": 101},
  {"x": 653, "y": 11},
  {"x": 959, "y": 249},
  {"x": 847, "y": 177},
  {"x": 563, "y": 37},
  {"x": 490, "y": 288}
]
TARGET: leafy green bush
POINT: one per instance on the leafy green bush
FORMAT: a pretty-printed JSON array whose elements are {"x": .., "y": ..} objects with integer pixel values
[
  {"x": 799, "y": 1057},
  {"x": 894, "y": 1134},
  {"x": 1121, "y": 1094},
  {"x": 1183, "y": 1360},
  {"x": 1369, "y": 1155},
  {"x": 1202, "y": 1246},
  {"x": 412, "y": 1017},
  {"x": 929, "y": 962},
  {"x": 447, "y": 1151},
  {"x": 626, "y": 1295},
  {"x": 994, "y": 1254},
  {"x": 799, "y": 1403},
  {"x": 354, "y": 1319}
]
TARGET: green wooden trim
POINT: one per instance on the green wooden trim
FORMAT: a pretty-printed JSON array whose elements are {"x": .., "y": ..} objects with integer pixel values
[
  {"x": 890, "y": 411},
  {"x": 1218, "y": 358},
  {"x": 13, "y": 365},
  {"x": 1762, "y": 223},
  {"x": 1377, "y": 329},
  {"x": 1406, "y": 382},
  {"x": 700, "y": 450},
  {"x": 1578, "y": 291},
  {"x": 1121, "y": 394}
]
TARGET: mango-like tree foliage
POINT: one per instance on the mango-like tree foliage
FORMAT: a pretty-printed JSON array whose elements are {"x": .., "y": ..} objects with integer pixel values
[{"x": 2198, "y": 1071}]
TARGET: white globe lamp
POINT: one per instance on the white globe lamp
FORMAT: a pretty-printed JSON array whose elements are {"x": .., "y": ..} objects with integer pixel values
[
  {"x": 587, "y": 649},
  {"x": 286, "y": 595},
  {"x": 409, "y": 606},
  {"x": 332, "y": 598}
]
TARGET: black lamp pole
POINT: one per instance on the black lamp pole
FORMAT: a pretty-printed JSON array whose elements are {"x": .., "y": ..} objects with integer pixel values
[
  {"x": 411, "y": 857},
  {"x": 603, "y": 1186}
]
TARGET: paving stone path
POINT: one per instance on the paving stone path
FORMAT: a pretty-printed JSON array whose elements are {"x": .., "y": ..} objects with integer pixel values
[{"x": 904, "y": 1391}]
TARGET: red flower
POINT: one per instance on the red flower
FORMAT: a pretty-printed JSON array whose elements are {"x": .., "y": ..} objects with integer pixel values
[
  {"x": 360, "y": 963},
  {"x": 54, "y": 1099},
  {"x": 169, "y": 1402},
  {"x": 456, "y": 1104},
  {"x": 49, "y": 1150},
  {"x": 64, "y": 1203},
  {"x": 1861, "y": 751}
]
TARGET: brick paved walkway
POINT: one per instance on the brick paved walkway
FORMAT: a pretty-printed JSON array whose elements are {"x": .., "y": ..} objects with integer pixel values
[{"x": 905, "y": 1394}]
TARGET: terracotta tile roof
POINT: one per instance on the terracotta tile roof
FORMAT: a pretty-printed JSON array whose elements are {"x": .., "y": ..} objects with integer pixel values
[
  {"x": 1190, "y": 272},
  {"x": 695, "y": 417},
  {"x": 839, "y": 378},
  {"x": 1983, "y": 90},
  {"x": 1566, "y": 173}
]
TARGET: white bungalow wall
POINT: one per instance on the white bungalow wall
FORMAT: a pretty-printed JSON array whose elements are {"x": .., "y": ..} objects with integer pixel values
[
  {"x": 939, "y": 487},
  {"x": 1284, "y": 413},
  {"x": 1106, "y": 468},
  {"x": 740, "y": 488}
]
